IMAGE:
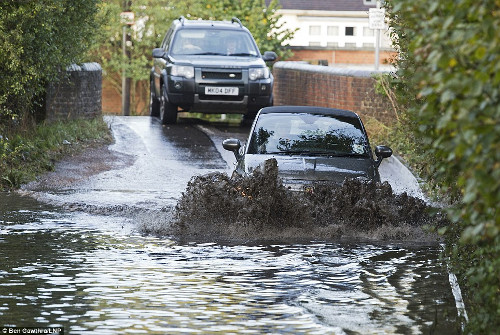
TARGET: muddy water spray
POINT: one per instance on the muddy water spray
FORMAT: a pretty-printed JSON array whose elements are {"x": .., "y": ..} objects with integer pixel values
[{"x": 216, "y": 206}]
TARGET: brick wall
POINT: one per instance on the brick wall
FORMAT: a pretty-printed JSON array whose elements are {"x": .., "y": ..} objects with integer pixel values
[
  {"x": 302, "y": 84},
  {"x": 76, "y": 95},
  {"x": 341, "y": 56},
  {"x": 112, "y": 99}
]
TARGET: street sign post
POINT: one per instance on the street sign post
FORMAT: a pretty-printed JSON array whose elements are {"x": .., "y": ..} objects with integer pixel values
[
  {"x": 126, "y": 19},
  {"x": 376, "y": 20}
]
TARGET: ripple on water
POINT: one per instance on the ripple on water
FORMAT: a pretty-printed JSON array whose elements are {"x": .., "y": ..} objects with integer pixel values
[{"x": 103, "y": 282}]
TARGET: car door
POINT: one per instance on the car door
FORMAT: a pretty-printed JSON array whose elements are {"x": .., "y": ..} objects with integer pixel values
[{"x": 159, "y": 64}]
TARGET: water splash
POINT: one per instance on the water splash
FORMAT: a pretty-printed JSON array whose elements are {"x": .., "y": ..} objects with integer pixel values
[{"x": 259, "y": 207}]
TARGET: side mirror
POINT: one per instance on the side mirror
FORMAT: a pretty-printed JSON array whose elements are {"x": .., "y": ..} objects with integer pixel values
[
  {"x": 234, "y": 145},
  {"x": 269, "y": 56},
  {"x": 158, "y": 53},
  {"x": 382, "y": 151}
]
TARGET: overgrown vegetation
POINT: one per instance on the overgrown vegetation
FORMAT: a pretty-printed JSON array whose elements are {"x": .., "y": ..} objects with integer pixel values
[
  {"x": 152, "y": 20},
  {"x": 37, "y": 40},
  {"x": 32, "y": 149},
  {"x": 448, "y": 89}
]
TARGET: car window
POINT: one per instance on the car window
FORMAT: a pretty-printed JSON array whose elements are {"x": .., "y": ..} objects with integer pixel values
[
  {"x": 308, "y": 133},
  {"x": 166, "y": 40},
  {"x": 213, "y": 42}
]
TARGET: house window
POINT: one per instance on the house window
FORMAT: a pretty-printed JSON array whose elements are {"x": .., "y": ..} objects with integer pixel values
[
  {"x": 332, "y": 44},
  {"x": 370, "y": 2},
  {"x": 332, "y": 31},
  {"x": 314, "y": 30},
  {"x": 350, "y": 45},
  {"x": 314, "y": 44},
  {"x": 349, "y": 31},
  {"x": 368, "y": 32}
]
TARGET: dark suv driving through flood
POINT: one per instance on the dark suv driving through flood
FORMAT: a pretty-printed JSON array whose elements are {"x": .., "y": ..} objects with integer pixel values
[
  {"x": 209, "y": 67},
  {"x": 310, "y": 144}
]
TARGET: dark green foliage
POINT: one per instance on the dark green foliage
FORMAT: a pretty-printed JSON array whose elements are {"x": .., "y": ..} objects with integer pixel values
[
  {"x": 449, "y": 82},
  {"x": 37, "y": 39}
]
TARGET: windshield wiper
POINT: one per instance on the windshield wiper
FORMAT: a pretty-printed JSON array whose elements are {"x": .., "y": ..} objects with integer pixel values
[
  {"x": 242, "y": 54},
  {"x": 347, "y": 154},
  {"x": 298, "y": 152},
  {"x": 208, "y": 54},
  {"x": 315, "y": 153}
]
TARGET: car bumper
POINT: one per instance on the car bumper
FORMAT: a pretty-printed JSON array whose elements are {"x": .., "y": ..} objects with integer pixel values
[{"x": 189, "y": 94}]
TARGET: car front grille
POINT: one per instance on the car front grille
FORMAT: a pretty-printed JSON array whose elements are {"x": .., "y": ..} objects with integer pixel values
[{"x": 220, "y": 75}]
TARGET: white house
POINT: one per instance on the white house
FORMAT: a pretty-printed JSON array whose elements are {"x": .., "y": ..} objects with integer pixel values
[{"x": 332, "y": 24}]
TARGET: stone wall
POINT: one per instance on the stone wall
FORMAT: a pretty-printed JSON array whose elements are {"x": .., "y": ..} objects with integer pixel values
[
  {"x": 302, "y": 84},
  {"x": 77, "y": 95}
]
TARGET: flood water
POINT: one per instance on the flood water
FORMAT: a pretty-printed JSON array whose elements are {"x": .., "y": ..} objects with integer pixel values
[{"x": 96, "y": 274}]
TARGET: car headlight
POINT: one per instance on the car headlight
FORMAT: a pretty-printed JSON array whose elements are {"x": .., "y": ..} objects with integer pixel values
[
  {"x": 258, "y": 73},
  {"x": 183, "y": 71}
]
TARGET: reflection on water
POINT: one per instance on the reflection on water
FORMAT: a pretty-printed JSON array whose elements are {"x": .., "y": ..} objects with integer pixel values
[{"x": 90, "y": 274}]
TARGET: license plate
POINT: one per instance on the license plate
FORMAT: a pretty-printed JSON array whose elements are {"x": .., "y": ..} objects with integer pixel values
[{"x": 221, "y": 90}]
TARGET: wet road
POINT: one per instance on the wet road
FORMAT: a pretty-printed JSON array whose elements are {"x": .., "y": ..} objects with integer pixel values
[
  {"x": 74, "y": 259},
  {"x": 160, "y": 162}
]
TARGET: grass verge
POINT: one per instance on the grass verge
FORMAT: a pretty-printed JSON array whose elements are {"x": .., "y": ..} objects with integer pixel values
[{"x": 30, "y": 150}]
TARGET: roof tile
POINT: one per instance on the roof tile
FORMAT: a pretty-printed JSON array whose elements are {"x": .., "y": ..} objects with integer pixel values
[{"x": 326, "y": 5}]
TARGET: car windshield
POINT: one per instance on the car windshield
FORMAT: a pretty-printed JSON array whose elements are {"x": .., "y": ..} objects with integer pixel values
[
  {"x": 220, "y": 42},
  {"x": 308, "y": 134}
]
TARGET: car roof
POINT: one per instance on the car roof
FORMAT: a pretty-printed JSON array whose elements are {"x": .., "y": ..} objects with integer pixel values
[{"x": 310, "y": 110}]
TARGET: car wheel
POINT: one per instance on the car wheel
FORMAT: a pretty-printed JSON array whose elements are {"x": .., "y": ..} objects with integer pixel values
[
  {"x": 154, "y": 104},
  {"x": 168, "y": 111}
]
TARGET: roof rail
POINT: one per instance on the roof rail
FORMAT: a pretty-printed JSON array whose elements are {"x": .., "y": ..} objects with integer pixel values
[
  {"x": 235, "y": 19},
  {"x": 182, "y": 19}
]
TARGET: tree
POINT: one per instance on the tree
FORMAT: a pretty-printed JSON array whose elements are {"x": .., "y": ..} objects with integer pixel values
[
  {"x": 153, "y": 18},
  {"x": 449, "y": 78},
  {"x": 37, "y": 40}
]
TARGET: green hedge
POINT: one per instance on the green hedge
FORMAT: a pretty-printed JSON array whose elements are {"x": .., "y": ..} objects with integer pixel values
[
  {"x": 449, "y": 83},
  {"x": 37, "y": 39}
]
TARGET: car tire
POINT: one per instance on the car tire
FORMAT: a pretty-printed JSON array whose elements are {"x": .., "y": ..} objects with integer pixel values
[
  {"x": 168, "y": 111},
  {"x": 154, "y": 104}
]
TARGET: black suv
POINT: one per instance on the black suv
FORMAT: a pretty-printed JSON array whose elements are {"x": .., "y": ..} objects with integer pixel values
[{"x": 209, "y": 67}]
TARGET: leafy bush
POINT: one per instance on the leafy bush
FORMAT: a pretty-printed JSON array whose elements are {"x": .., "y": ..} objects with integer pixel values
[
  {"x": 449, "y": 80},
  {"x": 37, "y": 39}
]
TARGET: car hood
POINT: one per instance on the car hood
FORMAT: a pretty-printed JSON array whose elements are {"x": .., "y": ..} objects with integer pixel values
[
  {"x": 305, "y": 170},
  {"x": 228, "y": 61}
]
